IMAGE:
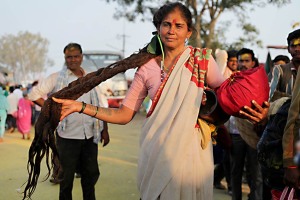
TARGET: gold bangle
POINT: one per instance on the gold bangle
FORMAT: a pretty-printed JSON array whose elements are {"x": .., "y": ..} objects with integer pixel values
[
  {"x": 97, "y": 108},
  {"x": 83, "y": 107}
]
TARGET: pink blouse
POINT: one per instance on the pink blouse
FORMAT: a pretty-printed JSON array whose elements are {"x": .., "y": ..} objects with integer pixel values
[
  {"x": 146, "y": 82},
  {"x": 148, "y": 79}
]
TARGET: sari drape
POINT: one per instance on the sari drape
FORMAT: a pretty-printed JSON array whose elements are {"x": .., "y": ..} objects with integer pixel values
[{"x": 172, "y": 164}]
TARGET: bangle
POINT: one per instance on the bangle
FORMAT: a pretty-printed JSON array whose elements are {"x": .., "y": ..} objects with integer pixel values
[
  {"x": 97, "y": 108},
  {"x": 292, "y": 167},
  {"x": 83, "y": 107}
]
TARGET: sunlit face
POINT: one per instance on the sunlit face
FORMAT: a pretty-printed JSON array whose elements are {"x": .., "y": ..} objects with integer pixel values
[
  {"x": 245, "y": 62},
  {"x": 279, "y": 62},
  {"x": 294, "y": 49},
  {"x": 174, "y": 30},
  {"x": 73, "y": 58},
  {"x": 232, "y": 63}
]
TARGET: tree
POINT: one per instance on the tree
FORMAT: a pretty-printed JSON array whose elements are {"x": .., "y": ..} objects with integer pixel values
[
  {"x": 25, "y": 55},
  {"x": 206, "y": 14}
]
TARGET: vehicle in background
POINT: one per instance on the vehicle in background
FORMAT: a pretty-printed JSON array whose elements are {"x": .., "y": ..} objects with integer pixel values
[{"x": 117, "y": 85}]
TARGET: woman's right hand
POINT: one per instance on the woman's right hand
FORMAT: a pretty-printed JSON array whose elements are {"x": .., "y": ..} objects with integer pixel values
[{"x": 68, "y": 106}]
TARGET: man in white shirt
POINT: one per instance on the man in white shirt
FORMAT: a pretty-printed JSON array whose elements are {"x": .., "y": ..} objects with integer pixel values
[{"x": 75, "y": 136}]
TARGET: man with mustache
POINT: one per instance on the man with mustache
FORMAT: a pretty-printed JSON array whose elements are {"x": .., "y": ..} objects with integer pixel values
[{"x": 284, "y": 76}]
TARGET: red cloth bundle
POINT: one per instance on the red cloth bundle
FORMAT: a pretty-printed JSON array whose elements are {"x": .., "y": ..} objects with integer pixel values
[{"x": 243, "y": 87}]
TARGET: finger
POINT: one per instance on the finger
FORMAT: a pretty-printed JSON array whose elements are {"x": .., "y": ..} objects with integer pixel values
[
  {"x": 250, "y": 111},
  {"x": 107, "y": 141},
  {"x": 251, "y": 118},
  {"x": 57, "y": 100},
  {"x": 104, "y": 143},
  {"x": 266, "y": 104},
  {"x": 257, "y": 106},
  {"x": 62, "y": 115}
]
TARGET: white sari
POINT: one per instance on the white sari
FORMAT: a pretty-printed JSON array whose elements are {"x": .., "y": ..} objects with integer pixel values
[{"x": 172, "y": 165}]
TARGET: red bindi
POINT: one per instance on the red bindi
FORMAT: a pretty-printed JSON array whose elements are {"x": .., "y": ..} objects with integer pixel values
[{"x": 174, "y": 21}]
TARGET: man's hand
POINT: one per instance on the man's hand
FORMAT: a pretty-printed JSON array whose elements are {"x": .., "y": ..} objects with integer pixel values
[
  {"x": 104, "y": 137},
  {"x": 291, "y": 177},
  {"x": 256, "y": 115}
]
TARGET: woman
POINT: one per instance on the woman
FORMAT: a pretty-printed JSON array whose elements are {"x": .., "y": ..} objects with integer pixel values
[
  {"x": 4, "y": 108},
  {"x": 24, "y": 116},
  {"x": 175, "y": 159}
]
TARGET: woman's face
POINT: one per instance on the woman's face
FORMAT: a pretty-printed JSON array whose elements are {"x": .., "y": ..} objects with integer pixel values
[{"x": 174, "y": 30}]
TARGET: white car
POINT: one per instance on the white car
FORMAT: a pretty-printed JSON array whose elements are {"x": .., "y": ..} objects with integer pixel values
[{"x": 117, "y": 85}]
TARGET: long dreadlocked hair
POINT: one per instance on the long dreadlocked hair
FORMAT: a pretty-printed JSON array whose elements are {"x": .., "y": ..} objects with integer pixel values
[{"x": 44, "y": 139}]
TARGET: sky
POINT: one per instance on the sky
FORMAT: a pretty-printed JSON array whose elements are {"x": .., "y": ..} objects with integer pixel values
[{"x": 91, "y": 24}]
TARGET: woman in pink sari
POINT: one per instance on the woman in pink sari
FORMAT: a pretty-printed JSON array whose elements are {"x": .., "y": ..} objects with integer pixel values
[
  {"x": 24, "y": 116},
  {"x": 176, "y": 160}
]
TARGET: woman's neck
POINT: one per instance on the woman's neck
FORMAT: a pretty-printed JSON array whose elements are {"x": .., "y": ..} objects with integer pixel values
[
  {"x": 171, "y": 56},
  {"x": 171, "y": 53}
]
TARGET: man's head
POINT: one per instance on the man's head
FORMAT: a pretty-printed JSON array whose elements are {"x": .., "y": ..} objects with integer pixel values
[
  {"x": 293, "y": 41},
  {"x": 246, "y": 59},
  {"x": 232, "y": 60},
  {"x": 73, "y": 56},
  {"x": 281, "y": 60}
]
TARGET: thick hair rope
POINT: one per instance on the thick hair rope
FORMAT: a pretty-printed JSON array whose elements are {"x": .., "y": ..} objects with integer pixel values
[{"x": 44, "y": 138}]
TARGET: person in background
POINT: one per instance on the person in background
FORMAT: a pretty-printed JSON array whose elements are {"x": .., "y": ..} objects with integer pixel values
[
  {"x": 176, "y": 160},
  {"x": 240, "y": 149},
  {"x": 292, "y": 128},
  {"x": 283, "y": 76},
  {"x": 281, "y": 60},
  {"x": 77, "y": 137},
  {"x": 36, "y": 109},
  {"x": 5, "y": 92},
  {"x": 223, "y": 169},
  {"x": 12, "y": 99},
  {"x": 18, "y": 91},
  {"x": 278, "y": 60},
  {"x": 232, "y": 62},
  {"x": 4, "y": 108},
  {"x": 24, "y": 115},
  {"x": 283, "y": 84}
]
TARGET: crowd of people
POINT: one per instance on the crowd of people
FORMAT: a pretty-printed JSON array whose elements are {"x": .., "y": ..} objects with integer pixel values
[
  {"x": 18, "y": 113},
  {"x": 239, "y": 163},
  {"x": 177, "y": 158}
]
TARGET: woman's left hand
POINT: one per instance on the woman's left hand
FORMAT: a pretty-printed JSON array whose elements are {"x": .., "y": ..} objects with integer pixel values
[
  {"x": 68, "y": 106},
  {"x": 258, "y": 114}
]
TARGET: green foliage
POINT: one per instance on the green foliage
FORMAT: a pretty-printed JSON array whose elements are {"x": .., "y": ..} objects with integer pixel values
[
  {"x": 24, "y": 54},
  {"x": 205, "y": 13}
]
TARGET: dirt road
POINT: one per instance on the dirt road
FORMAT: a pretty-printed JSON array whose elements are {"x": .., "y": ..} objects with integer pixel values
[{"x": 117, "y": 162}]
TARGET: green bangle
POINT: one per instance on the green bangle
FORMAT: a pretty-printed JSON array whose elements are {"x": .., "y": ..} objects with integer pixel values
[
  {"x": 97, "y": 108},
  {"x": 83, "y": 107}
]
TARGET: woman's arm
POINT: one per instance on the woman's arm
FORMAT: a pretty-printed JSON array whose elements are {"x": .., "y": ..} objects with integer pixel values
[
  {"x": 214, "y": 77},
  {"x": 121, "y": 115}
]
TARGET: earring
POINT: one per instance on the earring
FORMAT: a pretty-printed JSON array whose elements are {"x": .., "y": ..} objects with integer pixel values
[{"x": 186, "y": 41}]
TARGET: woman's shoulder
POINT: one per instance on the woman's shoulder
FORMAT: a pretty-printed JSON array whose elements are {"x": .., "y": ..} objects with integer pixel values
[{"x": 151, "y": 65}]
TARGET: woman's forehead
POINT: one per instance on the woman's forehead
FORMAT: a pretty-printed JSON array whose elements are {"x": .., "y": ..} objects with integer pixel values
[{"x": 175, "y": 17}]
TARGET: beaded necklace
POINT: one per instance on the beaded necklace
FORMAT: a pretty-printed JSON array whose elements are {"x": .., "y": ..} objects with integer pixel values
[{"x": 162, "y": 71}]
